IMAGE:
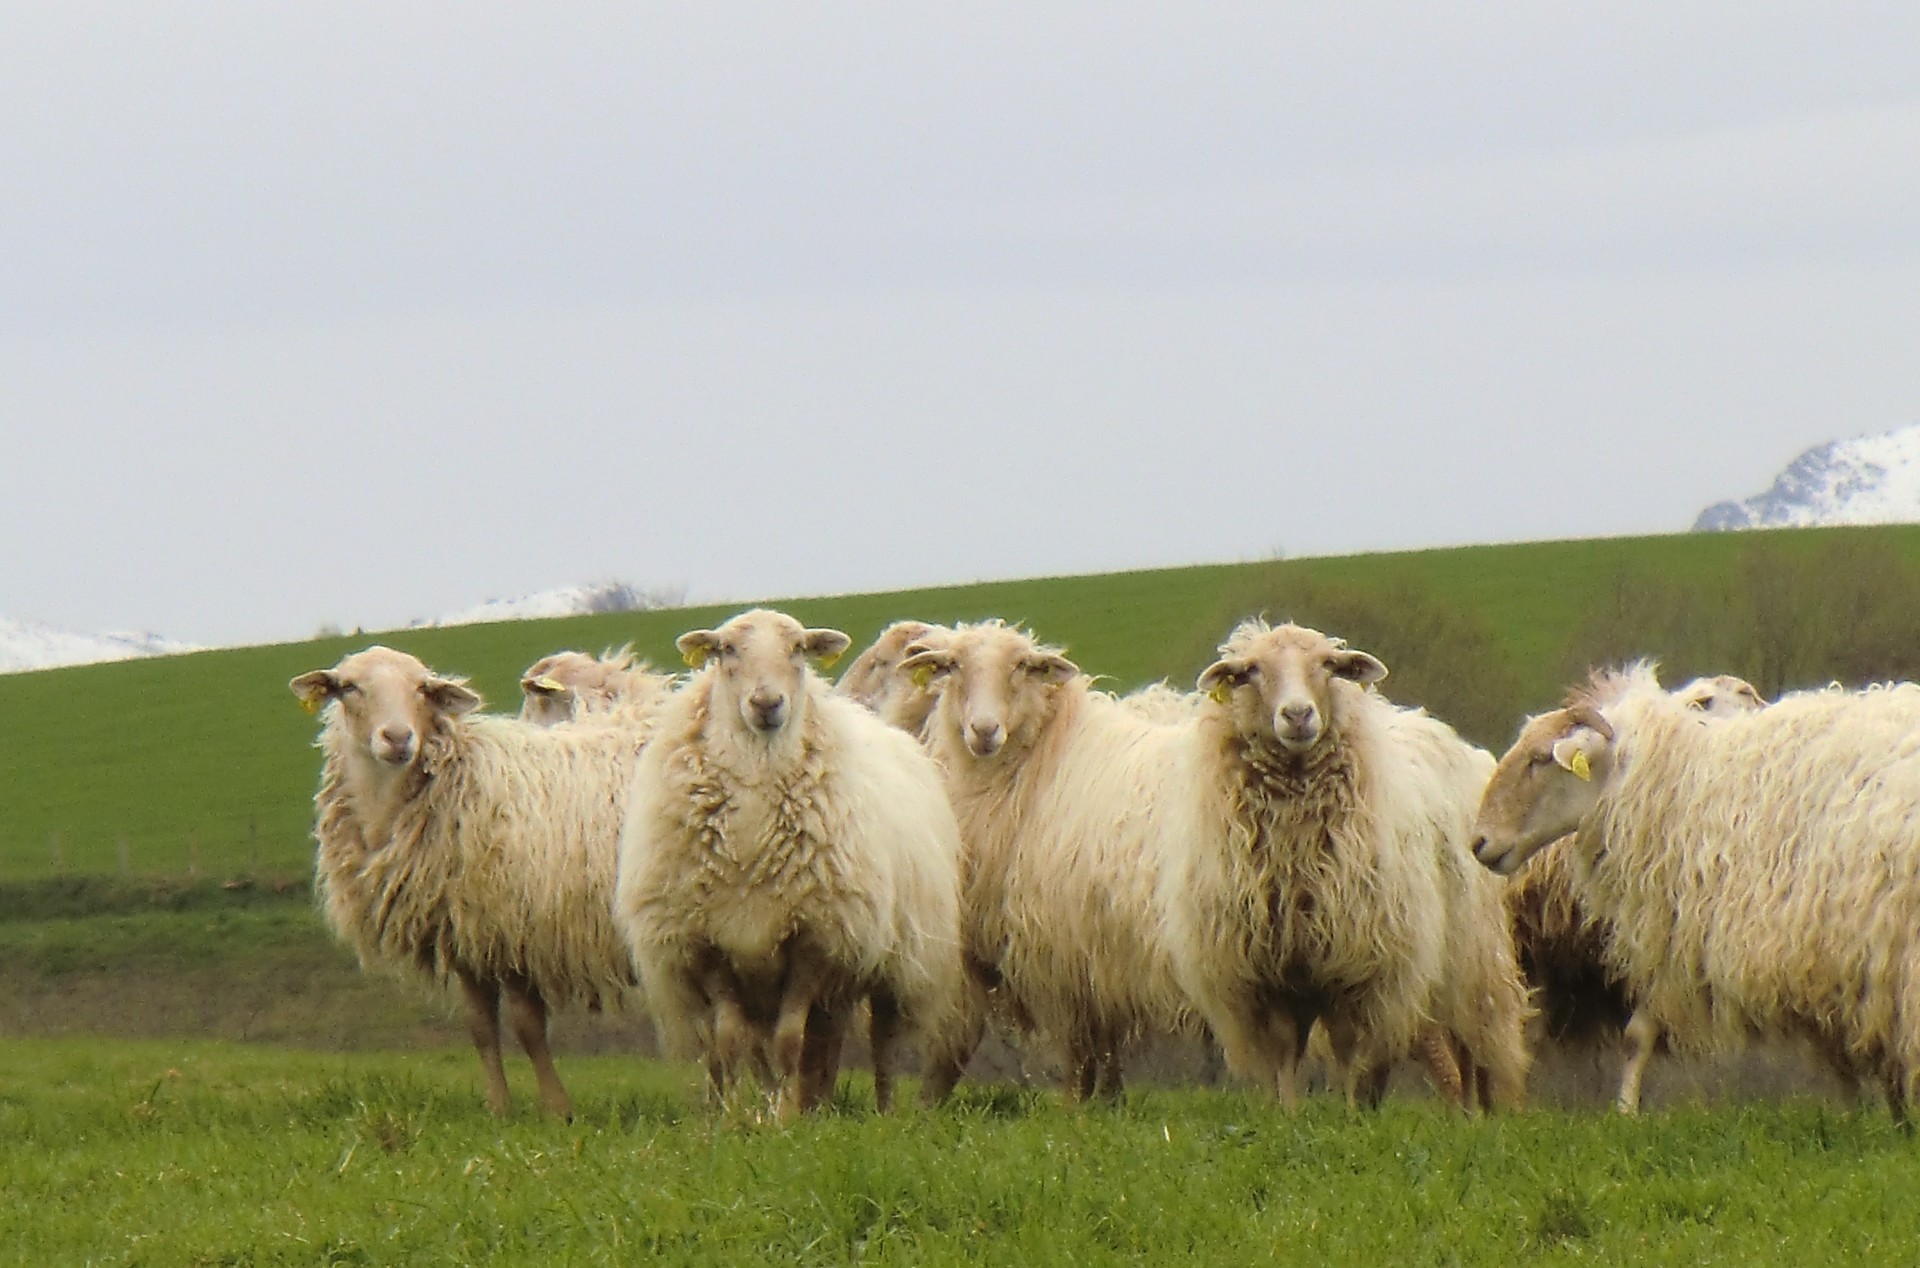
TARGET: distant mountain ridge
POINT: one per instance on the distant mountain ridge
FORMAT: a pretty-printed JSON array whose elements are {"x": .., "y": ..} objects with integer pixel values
[
  {"x": 582, "y": 600},
  {"x": 31, "y": 645},
  {"x": 27, "y": 645},
  {"x": 1866, "y": 480}
]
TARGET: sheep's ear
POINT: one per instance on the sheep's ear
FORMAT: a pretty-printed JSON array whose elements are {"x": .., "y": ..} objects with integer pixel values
[
  {"x": 1220, "y": 678},
  {"x": 542, "y": 686},
  {"x": 1356, "y": 666},
  {"x": 923, "y": 664},
  {"x": 1053, "y": 667},
  {"x": 695, "y": 646},
  {"x": 315, "y": 688},
  {"x": 1577, "y": 751},
  {"x": 824, "y": 646},
  {"x": 454, "y": 699}
]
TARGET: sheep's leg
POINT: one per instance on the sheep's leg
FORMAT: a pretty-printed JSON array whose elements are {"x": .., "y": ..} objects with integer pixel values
[
  {"x": 945, "y": 1067},
  {"x": 884, "y": 1032},
  {"x": 527, "y": 1013},
  {"x": 1502, "y": 1080},
  {"x": 1213, "y": 1065},
  {"x": 1845, "y": 1069},
  {"x": 1112, "y": 1079},
  {"x": 1084, "y": 1068},
  {"x": 1261, "y": 1045},
  {"x": 799, "y": 992},
  {"x": 826, "y": 1035},
  {"x": 732, "y": 1033},
  {"x": 483, "y": 1023},
  {"x": 1450, "y": 1069},
  {"x": 1642, "y": 1035}
]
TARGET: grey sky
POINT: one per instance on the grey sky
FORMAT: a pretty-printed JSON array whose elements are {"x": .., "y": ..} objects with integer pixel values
[{"x": 356, "y": 313}]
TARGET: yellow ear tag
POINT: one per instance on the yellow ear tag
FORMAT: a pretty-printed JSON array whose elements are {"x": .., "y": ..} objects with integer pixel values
[
  {"x": 828, "y": 662},
  {"x": 552, "y": 686},
  {"x": 1579, "y": 766},
  {"x": 923, "y": 676},
  {"x": 1221, "y": 692},
  {"x": 695, "y": 658},
  {"x": 310, "y": 704}
]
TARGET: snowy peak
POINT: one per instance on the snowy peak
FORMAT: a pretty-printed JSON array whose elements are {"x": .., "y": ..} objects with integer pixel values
[
  {"x": 584, "y": 600},
  {"x": 30, "y": 645},
  {"x": 1869, "y": 480}
]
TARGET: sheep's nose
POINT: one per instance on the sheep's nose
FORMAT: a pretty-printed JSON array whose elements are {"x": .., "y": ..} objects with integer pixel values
[
  {"x": 769, "y": 708},
  {"x": 397, "y": 741},
  {"x": 1297, "y": 714},
  {"x": 986, "y": 736}
]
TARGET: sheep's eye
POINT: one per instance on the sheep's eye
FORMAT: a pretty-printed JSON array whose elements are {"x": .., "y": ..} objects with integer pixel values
[{"x": 347, "y": 689}]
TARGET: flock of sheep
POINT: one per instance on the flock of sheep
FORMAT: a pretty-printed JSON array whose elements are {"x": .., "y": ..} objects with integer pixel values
[{"x": 965, "y": 833}]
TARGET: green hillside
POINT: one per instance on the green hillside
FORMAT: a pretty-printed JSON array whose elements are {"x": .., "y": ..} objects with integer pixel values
[{"x": 203, "y": 762}]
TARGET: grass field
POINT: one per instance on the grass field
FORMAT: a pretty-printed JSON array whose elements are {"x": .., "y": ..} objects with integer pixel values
[
  {"x": 154, "y": 906},
  {"x": 196, "y": 1153},
  {"x": 202, "y": 764}
]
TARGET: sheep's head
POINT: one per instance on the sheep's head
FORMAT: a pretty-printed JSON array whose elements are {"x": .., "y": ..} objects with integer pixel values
[
  {"x": 1284, "y": 683},
  {"x": 1722, "y": 696},
  {"x": 564, "y": 685},
  {"x": 995, "y": 684},
  {"x": 1552, "y": 776},
  {"x": 387, "y": 700},
  {"x": 759, "y": 665},
  {"x": 878, "y": 678}
]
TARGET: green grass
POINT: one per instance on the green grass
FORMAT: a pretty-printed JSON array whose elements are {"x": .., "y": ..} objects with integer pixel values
[
  {"x": 216, "y": 1154},
  {"x": 202, "y": 765}
]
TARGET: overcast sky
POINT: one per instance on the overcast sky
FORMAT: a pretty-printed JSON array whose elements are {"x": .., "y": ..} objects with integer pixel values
[{"x": 354, "y": 313}]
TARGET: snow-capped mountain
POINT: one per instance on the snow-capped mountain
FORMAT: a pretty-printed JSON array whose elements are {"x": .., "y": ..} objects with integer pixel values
[
  {"x": 31, "y": 645},
  {"x": 585, "y": 600},
  {"x": 1868, "y": 480}
]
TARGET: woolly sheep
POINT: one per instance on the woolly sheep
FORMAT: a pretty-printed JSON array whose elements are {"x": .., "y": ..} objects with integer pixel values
[
  {"x": 568, "y": 685},
  {"x": 1562, "y": 948},
  {"x": 1063, "y": 798},
  {"x": 1758, "y": 874},
  {"x": 1159, "y": 702},
  {"x": 473, "y": 848},
  {"x": 876, "y": 679},
  {"x": 785, "y": 854},
  {"x": 1323, "y": 882}
]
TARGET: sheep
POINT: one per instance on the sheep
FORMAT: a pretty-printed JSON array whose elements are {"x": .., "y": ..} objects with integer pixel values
[
  {"x": 785, "y": 854},
  {"x": 472, "y": 848},
  {"x": 1721, "y": 696},
  {"x": 1562, "y": 948},
  {"x": 876, "y": 679},
  {"x": 568, "y": 685},
  {"x": 1064, "y": 799},
  {"x": 1325, "y": 877},
  {"x": 1758, "y": 875},
  {"x": 1159, "y": 702}
]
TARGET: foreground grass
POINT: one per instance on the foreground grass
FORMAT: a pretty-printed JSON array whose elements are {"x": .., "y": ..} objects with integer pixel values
[{"x": 212, "y": 1154}]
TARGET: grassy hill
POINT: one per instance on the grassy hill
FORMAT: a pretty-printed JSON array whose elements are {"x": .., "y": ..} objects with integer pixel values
[{"x": 202, "y": 764}]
